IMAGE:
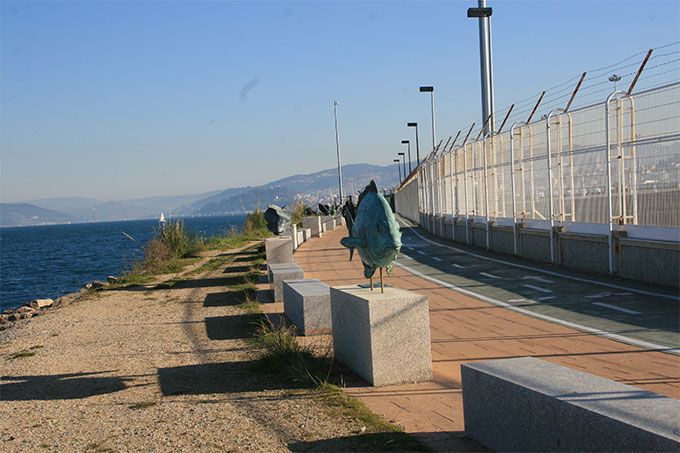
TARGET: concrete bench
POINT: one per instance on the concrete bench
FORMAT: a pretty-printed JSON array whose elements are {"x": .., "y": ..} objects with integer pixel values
[
  {"x": 307, "y": 303},
  {"x": 383, "y": 337},
  {"x": 526, "y": 404},
  {"x": 279, "y": 250},
  {"x": 278, "y": 273},
  {"x": 314, "y": 224}
]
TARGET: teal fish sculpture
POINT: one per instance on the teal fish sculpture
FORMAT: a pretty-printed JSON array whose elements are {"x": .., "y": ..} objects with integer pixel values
[{"x": 375, "y": 233}]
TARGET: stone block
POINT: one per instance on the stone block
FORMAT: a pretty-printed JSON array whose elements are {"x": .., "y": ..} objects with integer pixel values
[
  {"x": 307, "y": 234},
  {"x": 307, "y": 303},
  {"x": 383, "y": 337},
  {"x": 278, "y": 250},
  {"x": 314, "y": 224},
  {"x": 328, "y": 222},
  {"x": 526, "y": 404},
  {"x": 280, "y": 272}
]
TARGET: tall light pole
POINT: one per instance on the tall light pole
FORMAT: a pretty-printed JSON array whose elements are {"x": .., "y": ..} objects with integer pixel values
[
  {"x": 407, "y": 142},
  {"x": 404, "y": 161},
  {"x": 417, "y": 146},
  {"x": 431, "y": 91},
  {"x": 398, "y": 169},
  {"x": 337, "y": 145},
  {"x": 486, "y": 64}
]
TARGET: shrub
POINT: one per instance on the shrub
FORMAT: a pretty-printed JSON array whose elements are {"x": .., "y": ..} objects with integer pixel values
[
  {"x": 181, "y": 242},
  {"x": 255, "y": 224},
  {"x": 298, "y": 209}
]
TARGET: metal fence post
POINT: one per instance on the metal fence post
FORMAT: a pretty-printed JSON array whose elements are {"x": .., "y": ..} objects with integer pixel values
[
  {"x": 512, "y": 179},
  {"x": 486, "y": 187},
  {"x": 551, "y": 215}
]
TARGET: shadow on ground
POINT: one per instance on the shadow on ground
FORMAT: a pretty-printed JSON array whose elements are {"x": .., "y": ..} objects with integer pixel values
[
  {"x": 427, "y": 441},
  {"x": 230, "y": 327},
  {"x": 224, "y": 299},
  {"x": 59, "y": 386},
  {"x": 225, "y": 377}
]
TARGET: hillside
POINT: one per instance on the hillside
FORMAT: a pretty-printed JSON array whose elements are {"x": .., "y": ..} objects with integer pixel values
[
  {"x": 23, "y": 214},
  {"x": 313, "y": 188}
]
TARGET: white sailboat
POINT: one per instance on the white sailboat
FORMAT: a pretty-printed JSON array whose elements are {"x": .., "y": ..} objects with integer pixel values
[{"x": 161, "y": 221}]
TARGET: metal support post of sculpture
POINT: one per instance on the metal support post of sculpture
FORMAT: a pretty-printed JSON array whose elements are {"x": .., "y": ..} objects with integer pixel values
[{"x": 375, "y": 234}]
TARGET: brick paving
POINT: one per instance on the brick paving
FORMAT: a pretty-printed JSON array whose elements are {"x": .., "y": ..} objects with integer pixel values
[{"x": 464, "y": 329}]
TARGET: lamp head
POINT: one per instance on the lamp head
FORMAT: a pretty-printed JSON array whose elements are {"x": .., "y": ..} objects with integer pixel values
[
  {"x": 426, "y": 89},
  {"x": 412, "y": 124}
]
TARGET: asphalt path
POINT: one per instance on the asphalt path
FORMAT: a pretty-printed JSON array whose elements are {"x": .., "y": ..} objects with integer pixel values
[{"x": 643, "y": 315}]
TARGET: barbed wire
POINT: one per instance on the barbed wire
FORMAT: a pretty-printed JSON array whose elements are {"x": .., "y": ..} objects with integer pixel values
[{"x": 592, "y": 87}]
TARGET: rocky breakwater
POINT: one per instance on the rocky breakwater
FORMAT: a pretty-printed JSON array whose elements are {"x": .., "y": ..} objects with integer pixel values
[{"x": 39, "y": 306}]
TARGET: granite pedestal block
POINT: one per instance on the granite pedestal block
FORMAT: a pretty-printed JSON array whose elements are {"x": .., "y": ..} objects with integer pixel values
[
  {"x": 307, "y": 303},
  {"x": 307, "y": 234},
  {"x": 383, "y": 337},
  {"x": 279, "y": 250},
  {"x": 328, "y": 222},
  {"x": 314, "y": 224},
  {"x": 294, "y": 237},
  {"x": 526, "y": 404},
  {"x": 280, "y": 272}
]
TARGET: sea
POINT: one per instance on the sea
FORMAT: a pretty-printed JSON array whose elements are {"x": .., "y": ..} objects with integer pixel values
[{"x": 49, "y": 261}]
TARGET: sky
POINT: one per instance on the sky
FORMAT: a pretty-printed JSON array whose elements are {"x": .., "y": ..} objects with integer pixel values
[{"x": 129, "y": 99}]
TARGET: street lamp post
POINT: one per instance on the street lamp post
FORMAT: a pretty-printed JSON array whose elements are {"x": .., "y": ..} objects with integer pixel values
[
  {"x": 398, "y": 169},
  {"x": 407, "y": 142},
  {"x": 486, "y": 63},
  {"x": 337, "y": 144},
  {"x": 404, "y": 161},
  {"x": 431, "y": 91},
  {"x": 417, "y": 146}
]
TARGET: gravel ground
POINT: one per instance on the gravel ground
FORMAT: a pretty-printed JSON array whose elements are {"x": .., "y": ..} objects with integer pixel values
[{"x": 154, "y": 370}]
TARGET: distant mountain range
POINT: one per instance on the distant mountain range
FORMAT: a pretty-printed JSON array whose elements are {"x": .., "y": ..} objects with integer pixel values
[{"x": 319, "y": 187}]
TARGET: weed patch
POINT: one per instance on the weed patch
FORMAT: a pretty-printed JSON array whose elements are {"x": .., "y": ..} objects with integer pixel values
[
  {"x": 20, "y": 354},
  {"x": 143, "y": 405}
]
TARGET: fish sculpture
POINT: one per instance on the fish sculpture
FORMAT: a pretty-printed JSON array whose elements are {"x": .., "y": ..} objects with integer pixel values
[
  {"x": 375, "y": 233},
  {"x": 278, "y": 220}
]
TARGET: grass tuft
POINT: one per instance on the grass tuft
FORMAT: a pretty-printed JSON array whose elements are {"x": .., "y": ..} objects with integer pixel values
[
  {"x": 20, "y": 354},
  {"x": 142, "y": 405}
]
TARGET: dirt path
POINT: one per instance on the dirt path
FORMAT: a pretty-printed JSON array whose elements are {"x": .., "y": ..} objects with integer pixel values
[{"x": 154, "y": 369}]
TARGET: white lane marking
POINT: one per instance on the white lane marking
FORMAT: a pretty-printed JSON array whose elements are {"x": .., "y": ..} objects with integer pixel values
[
  {"x": 606, "y": 294},
  {"x": 516, "y": 300},
  {"x": 538, "y": 279},
  {"x": 491, "y": 300},
  {"x": 490, "y": 275},
  {"x": 542, "y": 271},
  {"x": 458, "y": 266},
  {"x": 421, "y": 252},
  {"x": 614, "y": 307},
  {"x": 541, "y": 299},
  {"x": 598, "y": 296},
  {"x": 538, "y": 288},
  {"x": 435, "y": 258}
]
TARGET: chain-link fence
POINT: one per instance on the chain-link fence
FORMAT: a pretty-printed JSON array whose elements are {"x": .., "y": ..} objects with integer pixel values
[{"x": 616, "y": 160}]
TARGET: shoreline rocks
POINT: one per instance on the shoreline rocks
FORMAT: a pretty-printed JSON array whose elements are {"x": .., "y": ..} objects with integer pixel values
[{"x": 36, "y": 307}]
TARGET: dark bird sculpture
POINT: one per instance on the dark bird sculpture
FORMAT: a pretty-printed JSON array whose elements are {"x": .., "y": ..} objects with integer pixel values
[{"x": 278, "y": 220}]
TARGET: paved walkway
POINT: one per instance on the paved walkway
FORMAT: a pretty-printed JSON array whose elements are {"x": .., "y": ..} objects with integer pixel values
[{"x": 465, "y": 329}]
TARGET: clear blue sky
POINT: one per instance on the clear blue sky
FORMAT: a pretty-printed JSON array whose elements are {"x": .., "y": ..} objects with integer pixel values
[{"x": 118, "y": 100}]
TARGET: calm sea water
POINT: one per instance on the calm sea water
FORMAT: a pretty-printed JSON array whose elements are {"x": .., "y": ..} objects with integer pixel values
[{"x": 53, "y": 260}]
